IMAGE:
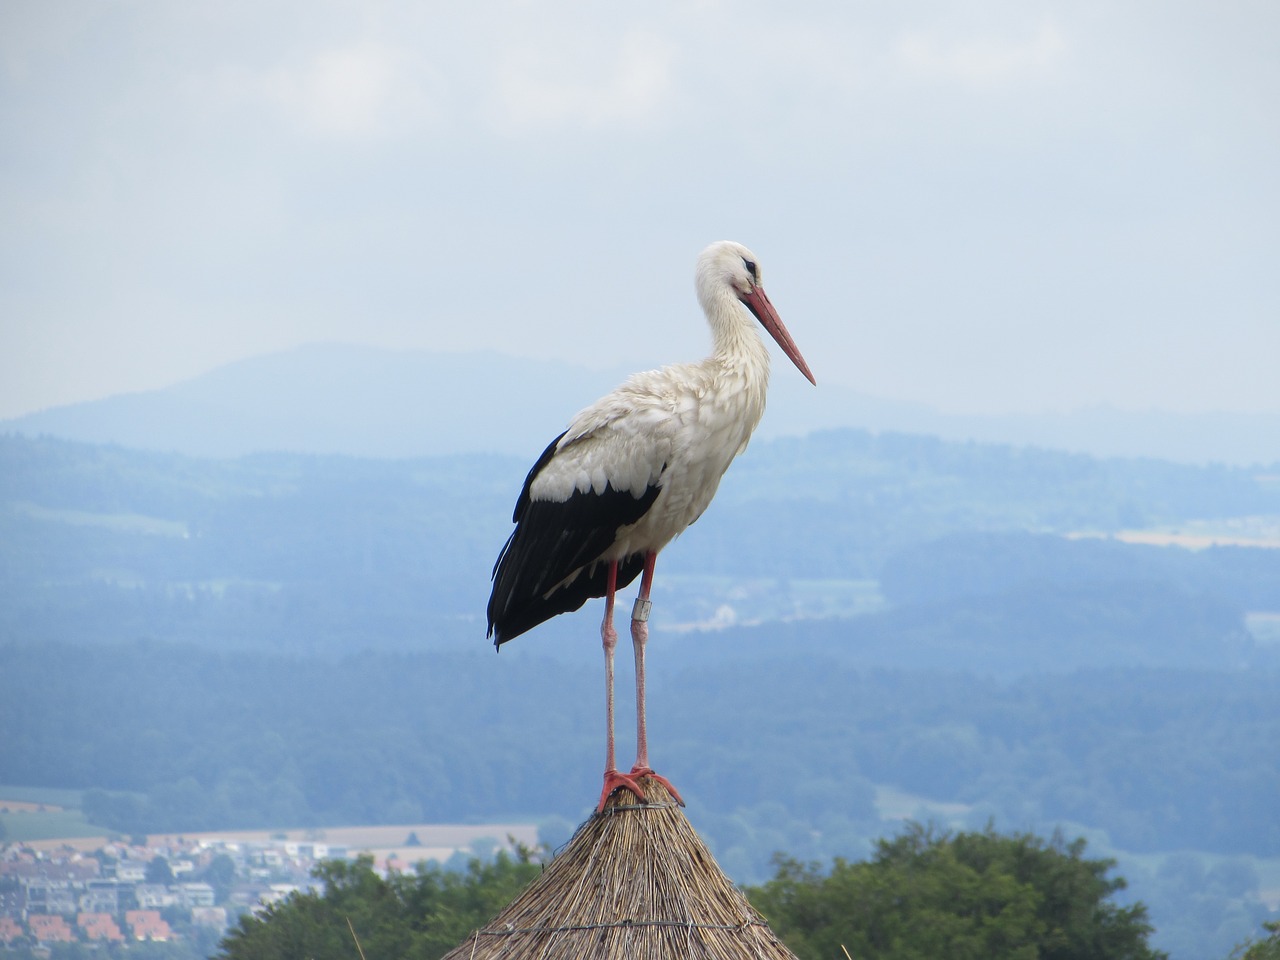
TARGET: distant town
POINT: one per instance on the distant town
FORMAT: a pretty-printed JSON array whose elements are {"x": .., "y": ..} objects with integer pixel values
[{"x": 169, "y": 888}]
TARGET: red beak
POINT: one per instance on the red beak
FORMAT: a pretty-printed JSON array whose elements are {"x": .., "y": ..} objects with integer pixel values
[{"x": 757, "y": 302}]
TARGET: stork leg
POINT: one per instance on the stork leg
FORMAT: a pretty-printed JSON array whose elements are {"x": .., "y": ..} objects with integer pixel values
[
  {"x": 609, "y": 638},
  {"x": 613, "y": 779},
  {"x": 640, "y": 637}
]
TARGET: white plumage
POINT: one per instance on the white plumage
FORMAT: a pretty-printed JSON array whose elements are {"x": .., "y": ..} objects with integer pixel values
[
  {"x": 634, "y": 469},
  {"x": 662, "y": 428}
]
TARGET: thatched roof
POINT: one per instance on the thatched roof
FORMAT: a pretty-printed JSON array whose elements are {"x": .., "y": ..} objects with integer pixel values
[{"x": 635, "y": 882}]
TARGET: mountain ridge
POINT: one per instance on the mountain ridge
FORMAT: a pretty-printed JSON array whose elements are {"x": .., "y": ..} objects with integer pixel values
[{"x": 333, "y": 398}]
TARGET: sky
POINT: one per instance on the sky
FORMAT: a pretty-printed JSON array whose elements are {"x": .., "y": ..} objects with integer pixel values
[{"x": 991, "y": 207}]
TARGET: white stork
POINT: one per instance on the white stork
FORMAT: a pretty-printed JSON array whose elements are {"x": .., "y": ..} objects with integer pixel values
[{"x": 631, "y": 472}]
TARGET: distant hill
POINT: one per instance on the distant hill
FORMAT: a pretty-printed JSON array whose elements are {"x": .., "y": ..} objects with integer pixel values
[
  {"x": 294, "y": 552},
  {"x": 371, "y": 402},
  {"x": 293, "y": 638}
]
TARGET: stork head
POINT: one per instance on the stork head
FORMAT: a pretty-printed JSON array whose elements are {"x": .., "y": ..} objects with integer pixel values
[{"x": 726, "y": 268}]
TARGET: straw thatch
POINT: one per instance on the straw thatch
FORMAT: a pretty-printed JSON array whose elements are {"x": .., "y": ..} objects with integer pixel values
[{"x": 635, "y": 882}]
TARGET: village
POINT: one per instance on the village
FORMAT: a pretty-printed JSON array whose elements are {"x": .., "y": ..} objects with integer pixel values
[{"x": 173, "y": 888}]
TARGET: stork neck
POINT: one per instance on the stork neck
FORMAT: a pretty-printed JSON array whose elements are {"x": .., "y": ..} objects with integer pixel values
[{"x": 736, "y": 338}]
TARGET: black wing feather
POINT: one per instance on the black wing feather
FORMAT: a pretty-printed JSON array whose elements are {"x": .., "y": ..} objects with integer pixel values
[{"x": 550, "y": 542}]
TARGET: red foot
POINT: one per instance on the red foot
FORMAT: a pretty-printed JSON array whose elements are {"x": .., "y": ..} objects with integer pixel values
[
  {"x": 638, "y": 772},
  {"x": 617, "y": 780}
]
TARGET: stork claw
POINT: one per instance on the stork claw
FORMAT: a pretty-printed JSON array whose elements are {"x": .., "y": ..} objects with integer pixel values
[
  {"x": 615, "y": 780},
  {"x": 638, "y": 772}
]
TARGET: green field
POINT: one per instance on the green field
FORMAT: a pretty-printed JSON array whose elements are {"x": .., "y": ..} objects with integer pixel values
[
  {"x": 52, "y": 824},
  {"x": 50, "y": 795}
]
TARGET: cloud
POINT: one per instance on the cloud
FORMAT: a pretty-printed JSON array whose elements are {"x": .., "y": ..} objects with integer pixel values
[
  {"x": 220, "y": 179},
  {"x": 359, "y": 91},
  {"x": 983, "y": 61},
  {"x": 623, "y": 84}
]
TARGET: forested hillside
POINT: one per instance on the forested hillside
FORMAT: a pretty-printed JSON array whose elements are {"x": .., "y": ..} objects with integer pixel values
[
  {"x": 326, "y": 555},
  {"x": 1160, "y": 758},
  {"x": 300, "y": 640}
]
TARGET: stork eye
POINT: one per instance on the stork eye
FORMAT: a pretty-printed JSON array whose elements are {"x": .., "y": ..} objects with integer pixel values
[{"x": 751, "y": 268}]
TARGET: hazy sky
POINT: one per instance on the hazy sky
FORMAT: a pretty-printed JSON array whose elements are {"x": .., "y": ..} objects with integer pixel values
[{"x": 986, "y": 207}]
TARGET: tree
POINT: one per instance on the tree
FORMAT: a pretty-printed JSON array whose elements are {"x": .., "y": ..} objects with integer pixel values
[
  {"x": 158, "y": 871},
  {"x": 220, "y": 874},
  {"x": 968, "y": 896},
  {"x": 418, "y": 917},
  {"x": 1268, "y": 949}
]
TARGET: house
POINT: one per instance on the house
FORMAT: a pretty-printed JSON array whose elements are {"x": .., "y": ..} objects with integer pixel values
[
  {"x": 13, "y": 900},
  {"x": 101, "y": 896},
  {"x": 147, "y": 925},
  {"x": 99, "y": 926},
  {"x": 50, "y": 928},
  {"x": 155, "y": 896},
  {"x": 268, "y": 857},
  {"x": 50, "y": 896},
  {"x": 197, "y": 895},
  {"x": 215, "y": 917},
  {"x": 131, "y": 871},
  {"x": 10, "y": 930},
  {"x": 248, "y": 894}
]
